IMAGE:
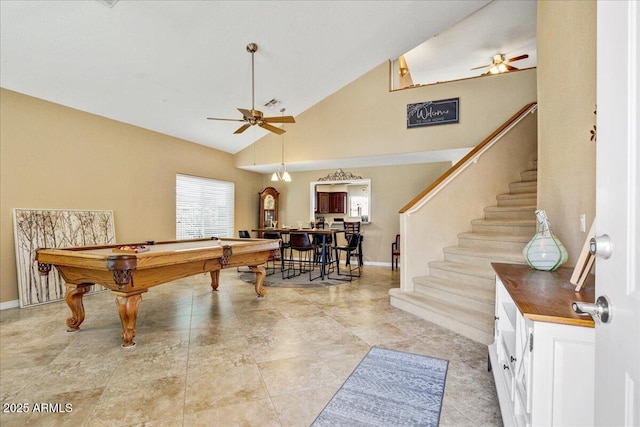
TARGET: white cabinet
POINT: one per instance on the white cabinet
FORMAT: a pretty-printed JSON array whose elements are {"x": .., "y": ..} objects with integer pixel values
[{"x": 543, "y": 354}]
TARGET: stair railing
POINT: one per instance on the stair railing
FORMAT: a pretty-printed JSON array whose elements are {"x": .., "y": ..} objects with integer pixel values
[
  {"x": 422, "y": 199},
  {"x": 472, "y": 157}
]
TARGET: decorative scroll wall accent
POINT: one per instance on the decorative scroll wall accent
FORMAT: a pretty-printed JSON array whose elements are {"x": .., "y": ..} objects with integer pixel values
[
  {"x": 41, "y": 228},
  {"x": 339, "y": 175}
]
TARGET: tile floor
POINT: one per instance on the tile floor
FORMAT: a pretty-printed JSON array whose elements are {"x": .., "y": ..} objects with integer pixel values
[{"x": 223, "y": 358}]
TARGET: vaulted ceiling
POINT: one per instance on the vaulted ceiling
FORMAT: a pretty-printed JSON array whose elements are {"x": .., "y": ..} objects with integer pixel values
[{"x": 168, "y": 65}]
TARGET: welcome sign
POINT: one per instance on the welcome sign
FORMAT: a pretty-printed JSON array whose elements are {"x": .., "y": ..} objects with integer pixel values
[{"x": 432, "y": 113}]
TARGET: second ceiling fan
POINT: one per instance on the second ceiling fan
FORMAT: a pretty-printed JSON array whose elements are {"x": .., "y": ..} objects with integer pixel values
[
  {"x": 499, "y": 64},
  {"x": 255, "y": 117}
]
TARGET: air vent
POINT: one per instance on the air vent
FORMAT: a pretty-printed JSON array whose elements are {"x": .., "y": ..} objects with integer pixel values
[
  {"x": 108, "y": 3},
  {"x": 272, "y": 103}
]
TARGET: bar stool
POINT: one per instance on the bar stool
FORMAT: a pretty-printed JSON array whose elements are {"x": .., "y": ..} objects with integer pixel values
[
  {"x": 300, "y": 243},
  {"x": 351, "y": 250},
  {"x": 243, "y": 234},
  {"x": 351, "y": 227},
  {"x": 272, "y": 258}
]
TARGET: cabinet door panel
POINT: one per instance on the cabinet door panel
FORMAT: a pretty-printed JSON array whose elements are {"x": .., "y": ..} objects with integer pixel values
[
  {"x": 337, "y": 202},
  {"x": 323, "y": 203},
  {"x": 563, "y": 381}
]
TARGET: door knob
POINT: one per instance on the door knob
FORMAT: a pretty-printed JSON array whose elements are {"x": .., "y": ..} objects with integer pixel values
[
  {"x": 599, "y": 311},
  {"x": 601, "y": 246}
]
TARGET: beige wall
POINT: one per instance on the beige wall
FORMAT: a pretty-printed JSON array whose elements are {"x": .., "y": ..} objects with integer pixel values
[
  {"x": 566, "y": 100},
  {"x": 365, "y": 119},
  {"x": 54, "y": 157},
  {"x": 391, "y": 188}
]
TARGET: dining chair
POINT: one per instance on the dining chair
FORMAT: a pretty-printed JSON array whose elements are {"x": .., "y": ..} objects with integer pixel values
[{"x": 395, "y": 251}]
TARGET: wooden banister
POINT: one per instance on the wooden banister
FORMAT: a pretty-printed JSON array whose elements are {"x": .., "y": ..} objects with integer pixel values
[{"x": 469, "y": 157}]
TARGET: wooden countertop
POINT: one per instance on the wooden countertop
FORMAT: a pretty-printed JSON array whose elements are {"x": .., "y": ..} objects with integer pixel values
[{"x": 546, "y": 296}]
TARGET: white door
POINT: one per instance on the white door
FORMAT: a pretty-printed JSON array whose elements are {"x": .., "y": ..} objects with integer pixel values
[{"x": 617, "y": 379}]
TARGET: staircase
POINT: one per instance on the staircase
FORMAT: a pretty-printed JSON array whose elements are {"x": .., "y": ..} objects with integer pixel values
[{"x": 459, "y": 292}]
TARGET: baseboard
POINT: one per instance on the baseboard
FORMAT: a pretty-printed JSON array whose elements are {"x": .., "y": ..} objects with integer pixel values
[
  {"x": 9, "y": 304},
  {"x": 378, "y": 263}
]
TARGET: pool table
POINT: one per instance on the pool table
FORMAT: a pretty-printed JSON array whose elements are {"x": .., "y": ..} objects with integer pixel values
[{"x": 129, "y": 270}]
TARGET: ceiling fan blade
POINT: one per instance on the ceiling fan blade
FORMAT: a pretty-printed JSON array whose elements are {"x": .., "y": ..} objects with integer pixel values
[
  {"x": 482, "y": 66},
  {"x": 228, "y": 120},
  {"x": 245, "y": 112},
  {"x": 282, "y": 119},
  {"x": 511, "y": 68},
  {"x": 272, "y": 128},
  {"x": 517, "y": 58},
  {"x": 242, "y": 128}
]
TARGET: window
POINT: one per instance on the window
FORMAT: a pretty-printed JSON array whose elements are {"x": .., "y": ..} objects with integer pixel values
[
  {"x": 204, "y": 207},
  {"x": 358, "y": 206},
  {"x": 359, "y": 201}
]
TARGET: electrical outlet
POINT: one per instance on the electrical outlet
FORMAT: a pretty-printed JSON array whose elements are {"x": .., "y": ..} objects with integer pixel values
[{"x": 583, "y": 223}]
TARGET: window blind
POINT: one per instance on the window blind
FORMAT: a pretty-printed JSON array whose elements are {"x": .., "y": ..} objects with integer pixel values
[{"x": 204, "y": 207}]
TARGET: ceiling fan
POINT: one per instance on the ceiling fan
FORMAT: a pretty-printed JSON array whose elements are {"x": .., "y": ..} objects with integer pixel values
[
  {"x": 254, "y": 117},
  {"x": 499, "y": 64}
]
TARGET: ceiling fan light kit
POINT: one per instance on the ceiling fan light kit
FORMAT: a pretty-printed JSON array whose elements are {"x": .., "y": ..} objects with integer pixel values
[
  {"x": 254, "y": 117},
  {"x": 499, "y": 64}
]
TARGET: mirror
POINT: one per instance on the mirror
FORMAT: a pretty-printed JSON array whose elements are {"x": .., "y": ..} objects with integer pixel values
[{"x": 340, "y": 200}]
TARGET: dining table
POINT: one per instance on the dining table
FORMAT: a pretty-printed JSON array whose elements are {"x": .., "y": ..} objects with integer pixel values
[{"x": 323, "y": 232}]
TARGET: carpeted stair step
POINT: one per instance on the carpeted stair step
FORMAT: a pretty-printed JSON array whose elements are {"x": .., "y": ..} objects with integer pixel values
[
  {"x": 508, "y": 242},
  {"x": 471, "y": 297},
  {"x": 510, "y": 212},
  {"x": 481, "y": 256},
  {"x": 470, "y": 275},
  {"x": 470, "y": 323},
  {"x": 459, "y": 292},
  {"x": 516, "y": 227},
  {"x": 521, "y": 199},
  {"x": 519, "y": 187}
]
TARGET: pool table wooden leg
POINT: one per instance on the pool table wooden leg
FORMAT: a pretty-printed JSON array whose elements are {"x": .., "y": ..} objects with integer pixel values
[
  {"x": 73, "y": 298},
  {"x": 215, "y": 279},
  {"x": 128, "y": 309},
  {"x": 260, "y": 275}
]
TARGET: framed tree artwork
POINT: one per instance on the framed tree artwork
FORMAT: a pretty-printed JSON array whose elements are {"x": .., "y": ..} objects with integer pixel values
[{"x": 53, "y": 228}]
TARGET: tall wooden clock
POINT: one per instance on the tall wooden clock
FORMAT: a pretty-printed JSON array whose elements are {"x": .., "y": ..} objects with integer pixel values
[{"x": 268, "y": 207}]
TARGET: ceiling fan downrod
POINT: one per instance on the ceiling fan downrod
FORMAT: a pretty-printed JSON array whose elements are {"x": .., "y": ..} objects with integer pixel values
[{"x": 252, "y": 48}]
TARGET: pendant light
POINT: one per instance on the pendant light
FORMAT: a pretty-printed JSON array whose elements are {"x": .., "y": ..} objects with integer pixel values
[{"x": 281, "y": 174}]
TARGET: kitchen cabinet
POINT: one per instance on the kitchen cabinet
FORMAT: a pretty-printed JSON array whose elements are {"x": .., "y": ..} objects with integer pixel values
[{"x": 331, "y": 203}]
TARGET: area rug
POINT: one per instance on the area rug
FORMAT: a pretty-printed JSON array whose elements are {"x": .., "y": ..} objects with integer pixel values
[
  {"x": 275, "y": 280},
  {"x": 389, "y": 388}
]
